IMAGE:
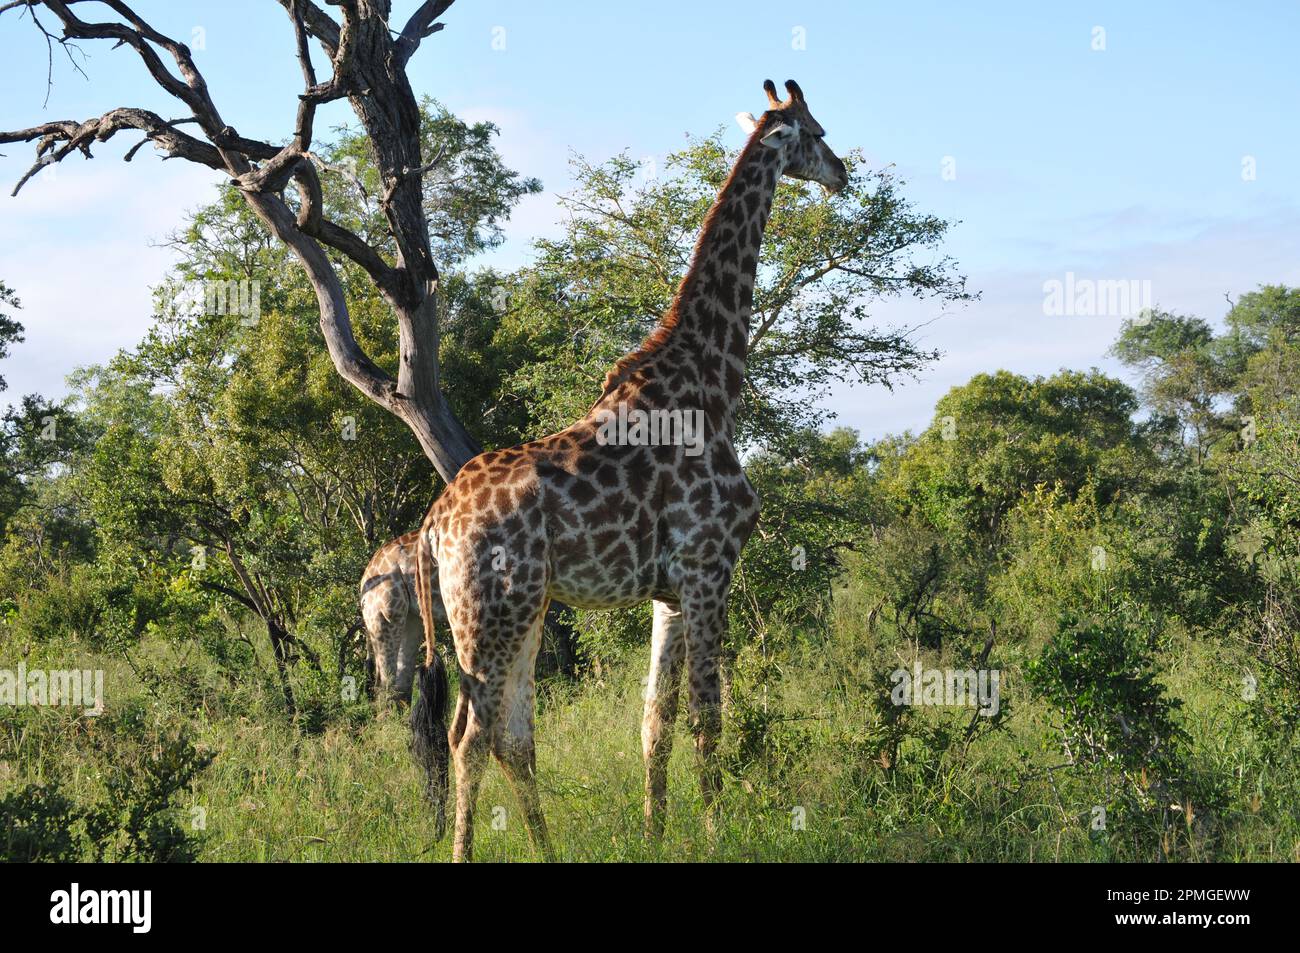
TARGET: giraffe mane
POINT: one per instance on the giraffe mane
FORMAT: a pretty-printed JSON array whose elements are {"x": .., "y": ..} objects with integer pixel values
[{"x": 629, "y": 363}]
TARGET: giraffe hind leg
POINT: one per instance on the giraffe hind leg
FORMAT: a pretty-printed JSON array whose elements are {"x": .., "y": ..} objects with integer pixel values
[
  {"x": 461, "y": 717},
  {"x": 495, "y": 614},
  {"x": 514, "y": 744},
  {"x": 706, "y": 621},
  {"x": 470, "y": 753}
]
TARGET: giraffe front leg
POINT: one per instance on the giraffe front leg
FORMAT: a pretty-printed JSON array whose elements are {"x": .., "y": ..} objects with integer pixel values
[
  {"x": 706, "y": 623},
  {"x": 667, "y": 651}
]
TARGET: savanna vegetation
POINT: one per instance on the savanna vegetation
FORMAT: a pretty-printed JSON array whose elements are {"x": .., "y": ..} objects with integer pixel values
[{"x": 193, "y": 521}]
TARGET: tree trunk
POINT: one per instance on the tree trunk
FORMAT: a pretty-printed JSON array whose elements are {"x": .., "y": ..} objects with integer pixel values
[{"x": 280, "y": 649}]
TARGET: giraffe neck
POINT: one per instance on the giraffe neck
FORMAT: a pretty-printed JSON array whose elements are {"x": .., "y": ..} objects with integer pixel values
[
  {"x": 705, "y": 331},
  {"x": 711, "y": 311}
]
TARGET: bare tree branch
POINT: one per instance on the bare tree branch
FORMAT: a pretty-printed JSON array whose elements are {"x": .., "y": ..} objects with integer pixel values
[
  {"x": 419, "y": 26},
  {"x": 306, "y": 104},
  {"x": 368, "y": 68},
  {"x": 77, "y": 136},
  {"x": 318, "y": 23}
]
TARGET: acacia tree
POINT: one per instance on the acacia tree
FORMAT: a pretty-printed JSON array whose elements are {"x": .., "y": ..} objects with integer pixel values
[
  {"x": 367, "y": 61},
  {"x": 596, "y": 290}
]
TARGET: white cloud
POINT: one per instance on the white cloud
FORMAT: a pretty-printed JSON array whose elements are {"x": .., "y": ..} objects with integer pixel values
[
  {"x": 81, "y": 252},
  {"x": 1008, "y": 329}
]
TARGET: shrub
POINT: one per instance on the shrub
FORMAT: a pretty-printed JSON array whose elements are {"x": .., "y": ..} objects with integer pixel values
[
  {"x": 135, "y": 818},
  {"x": 1118, "y": 728}
]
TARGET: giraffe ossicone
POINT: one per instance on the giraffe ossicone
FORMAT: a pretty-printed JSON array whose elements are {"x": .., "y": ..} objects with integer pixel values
[{"x": 600, "y": 524}]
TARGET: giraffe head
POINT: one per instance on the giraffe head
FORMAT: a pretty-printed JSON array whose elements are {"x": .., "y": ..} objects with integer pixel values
[{"x": 788, "y": 126}]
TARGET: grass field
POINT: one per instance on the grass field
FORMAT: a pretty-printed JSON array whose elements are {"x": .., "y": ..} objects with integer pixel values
[{"x": 806, "y": 778}]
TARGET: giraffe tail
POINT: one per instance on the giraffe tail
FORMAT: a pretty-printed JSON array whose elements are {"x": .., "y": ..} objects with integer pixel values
[{"x": 429, "y": 744}]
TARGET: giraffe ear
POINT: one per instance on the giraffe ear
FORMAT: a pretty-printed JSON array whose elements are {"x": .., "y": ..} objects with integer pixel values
[
  {"x": 779, "y": 136},
  {"x": 747, "y": 122}
]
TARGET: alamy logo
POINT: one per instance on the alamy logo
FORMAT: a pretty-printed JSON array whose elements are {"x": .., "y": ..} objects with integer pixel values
[
  {"x": 966, "y": 688},
  {"x": 192, "y": 298},
  {"x": 651, "y": 428},
  {"x": 71, "y": 688},
  {"x": 1088, "y": 297},
  {"x": 103, "y": 906}
]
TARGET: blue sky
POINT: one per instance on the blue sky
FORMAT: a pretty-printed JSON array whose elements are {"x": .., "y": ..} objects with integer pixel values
[{"x": 1117, "y": 163}]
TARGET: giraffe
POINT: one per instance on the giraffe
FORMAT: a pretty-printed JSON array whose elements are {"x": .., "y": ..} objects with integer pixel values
[
  {"x": 604, "y": 517},
  {"x": 394, "y": 631}
]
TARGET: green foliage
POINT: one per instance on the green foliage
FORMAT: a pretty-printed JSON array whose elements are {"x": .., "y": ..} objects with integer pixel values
[
  {"x": 11, "y": 332},
  {"x": 1268, "y": 548},
  {"x": 1101, "y": 676},
  {"x": 1122, "y": 734},
  {"x": 41, "y": 824},
  {"x": 766, "y": 741},
  {"x": 594, "y": 293},
  {"x": 1183, "y": 375},
  {"x": 815, "y": 504},
  {"x": 1001, "y": 435},
  {"x": 36, "y": 436},
  {"x": 134, "y": 819},
  {"x": 910, "y": 567}
]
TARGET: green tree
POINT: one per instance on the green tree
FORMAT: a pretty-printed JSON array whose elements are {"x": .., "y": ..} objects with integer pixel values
[
  {"x": 593, "y": 293},
  {"x": 11, "y": 332},
  {"x": 1183, "y": 376},
  {"x": 1000, "y": 435}
]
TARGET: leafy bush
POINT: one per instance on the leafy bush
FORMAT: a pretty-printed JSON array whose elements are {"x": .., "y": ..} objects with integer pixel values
[
  {"x": 1118, "y": 728},
  {"x": 41, "y": 823},
  {"x": 764, "y": 739},
  {"x": 136, "y": 817}
]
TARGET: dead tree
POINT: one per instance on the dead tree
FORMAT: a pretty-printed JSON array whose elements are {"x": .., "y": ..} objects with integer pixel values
[{"x": 368, "y": 62}]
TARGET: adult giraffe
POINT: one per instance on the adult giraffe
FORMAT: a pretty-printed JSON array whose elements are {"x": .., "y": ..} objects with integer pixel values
[{"x": 602, "y": 523}]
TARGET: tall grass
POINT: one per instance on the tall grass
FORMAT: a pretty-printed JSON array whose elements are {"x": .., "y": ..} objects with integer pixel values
[{"x": 806, "y": 779}]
